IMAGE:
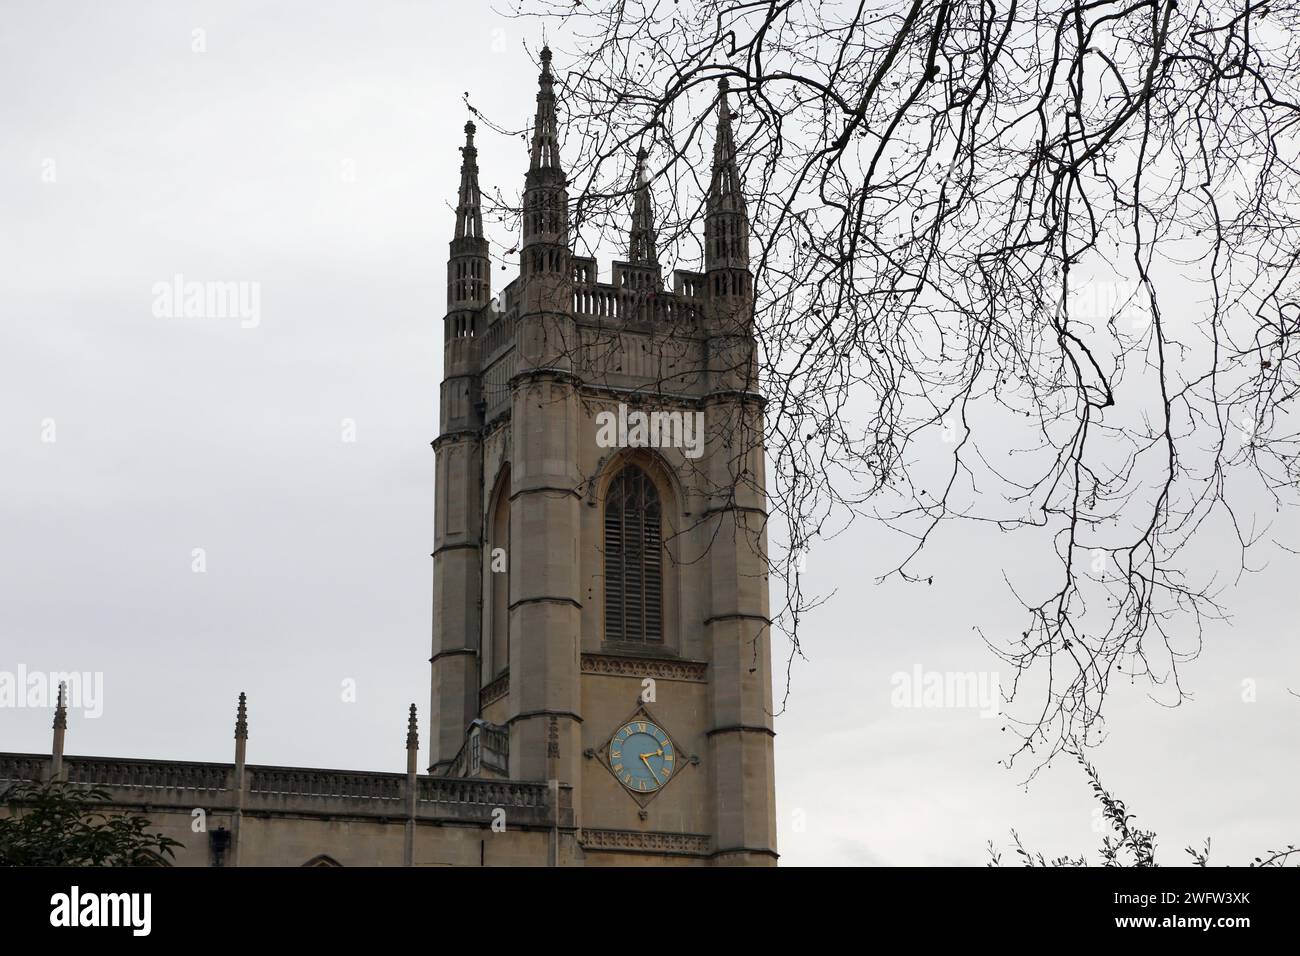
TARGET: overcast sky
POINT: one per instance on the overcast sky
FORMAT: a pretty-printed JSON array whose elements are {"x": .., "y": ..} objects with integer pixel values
[{"x": 312, "y": 149}]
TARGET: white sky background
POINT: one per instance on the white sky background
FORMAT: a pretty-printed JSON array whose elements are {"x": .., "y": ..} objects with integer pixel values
[{"x": 175, "y": 434}]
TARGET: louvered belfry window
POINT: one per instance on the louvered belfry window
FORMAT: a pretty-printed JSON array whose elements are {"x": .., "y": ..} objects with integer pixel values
[{"x": 633, "y": 559}]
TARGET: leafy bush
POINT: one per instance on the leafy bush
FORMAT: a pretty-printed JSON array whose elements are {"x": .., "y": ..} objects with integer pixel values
[{"x": 60, "y": 824}]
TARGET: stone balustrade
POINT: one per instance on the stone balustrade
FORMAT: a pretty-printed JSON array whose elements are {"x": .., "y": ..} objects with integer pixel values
[
  {"x": 15, "y": 767},
  {"x": 499, "y": 334},
  {"x": 297, "y": 782},
  {"x": 148, "y": 774},
  {"x": 494, "y": 793},
  {"x": 182, "y": 784}
]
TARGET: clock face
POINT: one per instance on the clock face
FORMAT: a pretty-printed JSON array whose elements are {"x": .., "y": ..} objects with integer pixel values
[{"x": 642, "y": 756}]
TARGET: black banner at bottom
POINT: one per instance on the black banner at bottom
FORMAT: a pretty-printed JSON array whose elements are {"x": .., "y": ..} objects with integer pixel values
[{"x": 334, "y": 904}]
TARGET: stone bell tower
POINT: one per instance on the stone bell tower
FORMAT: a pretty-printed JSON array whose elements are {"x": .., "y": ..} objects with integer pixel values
[{"x": 600, "y": 577}]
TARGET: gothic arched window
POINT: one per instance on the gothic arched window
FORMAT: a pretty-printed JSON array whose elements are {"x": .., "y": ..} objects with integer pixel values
[{"x": 633, "y": 559}]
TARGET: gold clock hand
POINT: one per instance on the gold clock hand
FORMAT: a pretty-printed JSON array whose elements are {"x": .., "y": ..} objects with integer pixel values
[{"x": 648, "y": 767}]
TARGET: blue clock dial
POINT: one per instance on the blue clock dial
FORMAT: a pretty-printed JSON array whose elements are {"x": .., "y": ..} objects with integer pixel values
[{"x": 642, "y": 756}]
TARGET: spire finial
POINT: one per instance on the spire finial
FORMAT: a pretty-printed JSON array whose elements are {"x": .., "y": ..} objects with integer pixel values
[
  {"x": 724, "y": 189},
  {"x": 546, "y": 135},
  {"x": 241, "y": 718},
  {"x": 412, "y": 733},
  {"x": 60, "y": 731},
  {"x": 641, "y": 246},
  {"x": 61, "y": 708},
  {"x": 726, "y": 224},
  {"x": 469, "y": 210}
]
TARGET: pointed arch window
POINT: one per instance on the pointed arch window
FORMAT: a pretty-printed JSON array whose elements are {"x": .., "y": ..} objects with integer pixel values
[{"x": 633, "y": 559}]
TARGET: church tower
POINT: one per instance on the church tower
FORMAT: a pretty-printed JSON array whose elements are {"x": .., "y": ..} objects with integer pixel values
[{"x": 600, "y": 590}]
